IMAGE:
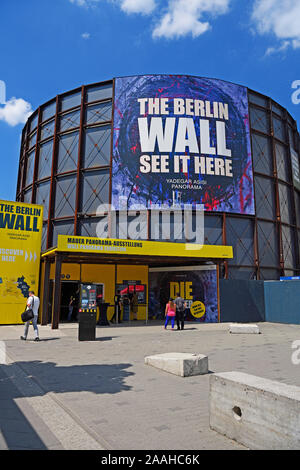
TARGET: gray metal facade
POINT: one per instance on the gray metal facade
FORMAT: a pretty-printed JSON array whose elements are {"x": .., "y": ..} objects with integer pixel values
[{"x": 65, "y": 165}]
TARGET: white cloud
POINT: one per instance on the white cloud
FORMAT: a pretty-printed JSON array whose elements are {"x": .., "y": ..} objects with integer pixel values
[
  {"x": 186, "y": 17},
  {"x": 15, "y": 111},
  {"x": 144, "y": 7},
  {"x": 296, "y": 43},
  {"x": 80, "y": 3},
  {"x": 280, "y": 18},
  {"x": 276, "y": 50},
  {"x": 2, "y": 92},
  {"x": 84, "y": 3},
  {"x": 85, "y": 35},
  {"x": 180, "y": 17}
]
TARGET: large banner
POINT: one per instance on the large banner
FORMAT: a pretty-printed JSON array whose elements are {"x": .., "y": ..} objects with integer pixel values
[
  {"x": 20, "y": 249},
  {"x": 196, "y": 285},
  {"x": 181, "y": 140},
  {"x": 140, "y": 247}
]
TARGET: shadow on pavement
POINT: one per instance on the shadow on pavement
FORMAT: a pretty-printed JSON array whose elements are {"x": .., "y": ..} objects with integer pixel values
[
  {"x": 17, "y": 432},
  {"x": 186, "y": 329},
  {"x": 42, "y": 339},
  {"x": 106, "y": 338},
  {"x": 102, "y": 378}
]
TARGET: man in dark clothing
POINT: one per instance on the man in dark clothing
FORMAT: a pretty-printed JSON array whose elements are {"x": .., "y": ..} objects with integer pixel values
[
  {"x": 71, "y": 307},
  {"x": 180, "y": 309},
  {"x": 116, "y": 318}
]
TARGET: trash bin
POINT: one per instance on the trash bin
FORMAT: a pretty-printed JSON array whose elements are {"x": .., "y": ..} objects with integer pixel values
[
  {"x": 87, "y": 326},
  {"x": 103, "y": 314}
]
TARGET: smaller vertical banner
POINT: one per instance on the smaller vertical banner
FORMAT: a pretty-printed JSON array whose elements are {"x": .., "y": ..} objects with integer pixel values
[
  {"x": 196, "y": 285},
  {"x": 20, "y": 251}
]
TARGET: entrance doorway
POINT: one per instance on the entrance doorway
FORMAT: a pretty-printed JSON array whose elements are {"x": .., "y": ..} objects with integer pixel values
[
  {"x": 69, "y": 292},
  {"x": 133, "y": 295}
]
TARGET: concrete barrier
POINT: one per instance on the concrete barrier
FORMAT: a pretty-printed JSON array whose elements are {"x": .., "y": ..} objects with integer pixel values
[
  {"x": 182, "y": 364},
  {"x": 256, "y": 412},
  {"x": 243, "y": 328}
]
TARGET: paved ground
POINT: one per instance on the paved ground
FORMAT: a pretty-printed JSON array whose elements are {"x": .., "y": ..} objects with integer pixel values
[{"x": 64, "y": 394}]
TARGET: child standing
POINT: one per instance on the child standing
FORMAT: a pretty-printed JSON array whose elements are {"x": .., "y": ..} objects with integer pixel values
[{"x": 170, "y": 313}]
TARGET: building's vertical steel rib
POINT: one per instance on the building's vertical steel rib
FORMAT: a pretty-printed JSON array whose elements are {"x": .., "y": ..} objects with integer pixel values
[{"x": 52, "y": 181}]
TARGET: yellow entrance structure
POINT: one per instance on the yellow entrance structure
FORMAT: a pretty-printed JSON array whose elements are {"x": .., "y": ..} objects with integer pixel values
[{"x": 111, "y": 262}]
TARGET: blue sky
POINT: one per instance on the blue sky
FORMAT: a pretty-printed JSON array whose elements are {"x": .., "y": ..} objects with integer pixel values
[{"x": 48, "y": 47}]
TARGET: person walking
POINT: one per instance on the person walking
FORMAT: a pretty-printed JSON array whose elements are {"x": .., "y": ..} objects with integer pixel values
[
  {"x": 126, "y": 308},
  {"x": 180, "y": 310},
  {"x": 71, "y": 306},
  {"x": 116, "y": 318},
  {"x": 32, "y": 302},
  {"x": 170, "y": 313}
]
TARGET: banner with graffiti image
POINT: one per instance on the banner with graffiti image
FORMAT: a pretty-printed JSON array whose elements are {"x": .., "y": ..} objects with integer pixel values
[
  {"x": 196, "y": 285},
  {"x": 181, "y": 140}
]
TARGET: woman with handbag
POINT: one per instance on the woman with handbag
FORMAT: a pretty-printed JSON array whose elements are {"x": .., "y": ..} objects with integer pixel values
[{"x": 33, "y": 303}]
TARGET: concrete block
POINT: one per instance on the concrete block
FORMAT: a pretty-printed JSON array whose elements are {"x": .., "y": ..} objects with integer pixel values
[
  {"x": 243, "y": 328},
  {"x": 256, "y": 412},
  {"x": 183, "y": 364}
]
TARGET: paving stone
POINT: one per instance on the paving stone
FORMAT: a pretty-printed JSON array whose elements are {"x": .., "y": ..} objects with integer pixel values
[{"x": 68, "y": 371}]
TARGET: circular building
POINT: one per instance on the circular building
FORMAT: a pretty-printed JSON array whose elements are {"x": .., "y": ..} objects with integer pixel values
[{"x": 95, "y": 144}]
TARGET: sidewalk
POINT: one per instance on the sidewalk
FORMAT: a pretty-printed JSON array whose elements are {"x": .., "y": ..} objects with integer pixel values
[{"x": 60, "y": 393}]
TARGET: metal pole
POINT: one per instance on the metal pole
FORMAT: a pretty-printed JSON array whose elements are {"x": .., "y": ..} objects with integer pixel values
[
  {"x": 57, "y": 291},
  {"x": 37, "y": 157},
  {"x": 116, "y": 304},
  {"x": 224, "y": 241},
  {"x": 44, "y": 319},
  {"x": 52, "y": 180},
  {"x": 147, "y": 299},
  {"x": 79, "y": 158}
]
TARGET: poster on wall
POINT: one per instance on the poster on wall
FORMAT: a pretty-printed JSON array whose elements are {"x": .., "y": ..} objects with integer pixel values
[
  {"x": 20, "y": 250},
  {"x": 181, "y": 140},
  {"x": 196, "y": 285}
]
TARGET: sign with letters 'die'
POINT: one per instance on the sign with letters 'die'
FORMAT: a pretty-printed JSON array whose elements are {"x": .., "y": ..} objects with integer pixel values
[
  {"x": 196, "y": 285},
  {"x": 182, "y": 140},
  {"x": 20, "y": 250}
]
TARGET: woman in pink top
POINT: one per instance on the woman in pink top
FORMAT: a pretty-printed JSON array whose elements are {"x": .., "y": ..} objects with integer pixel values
[{"x": 170, "y": 313}]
